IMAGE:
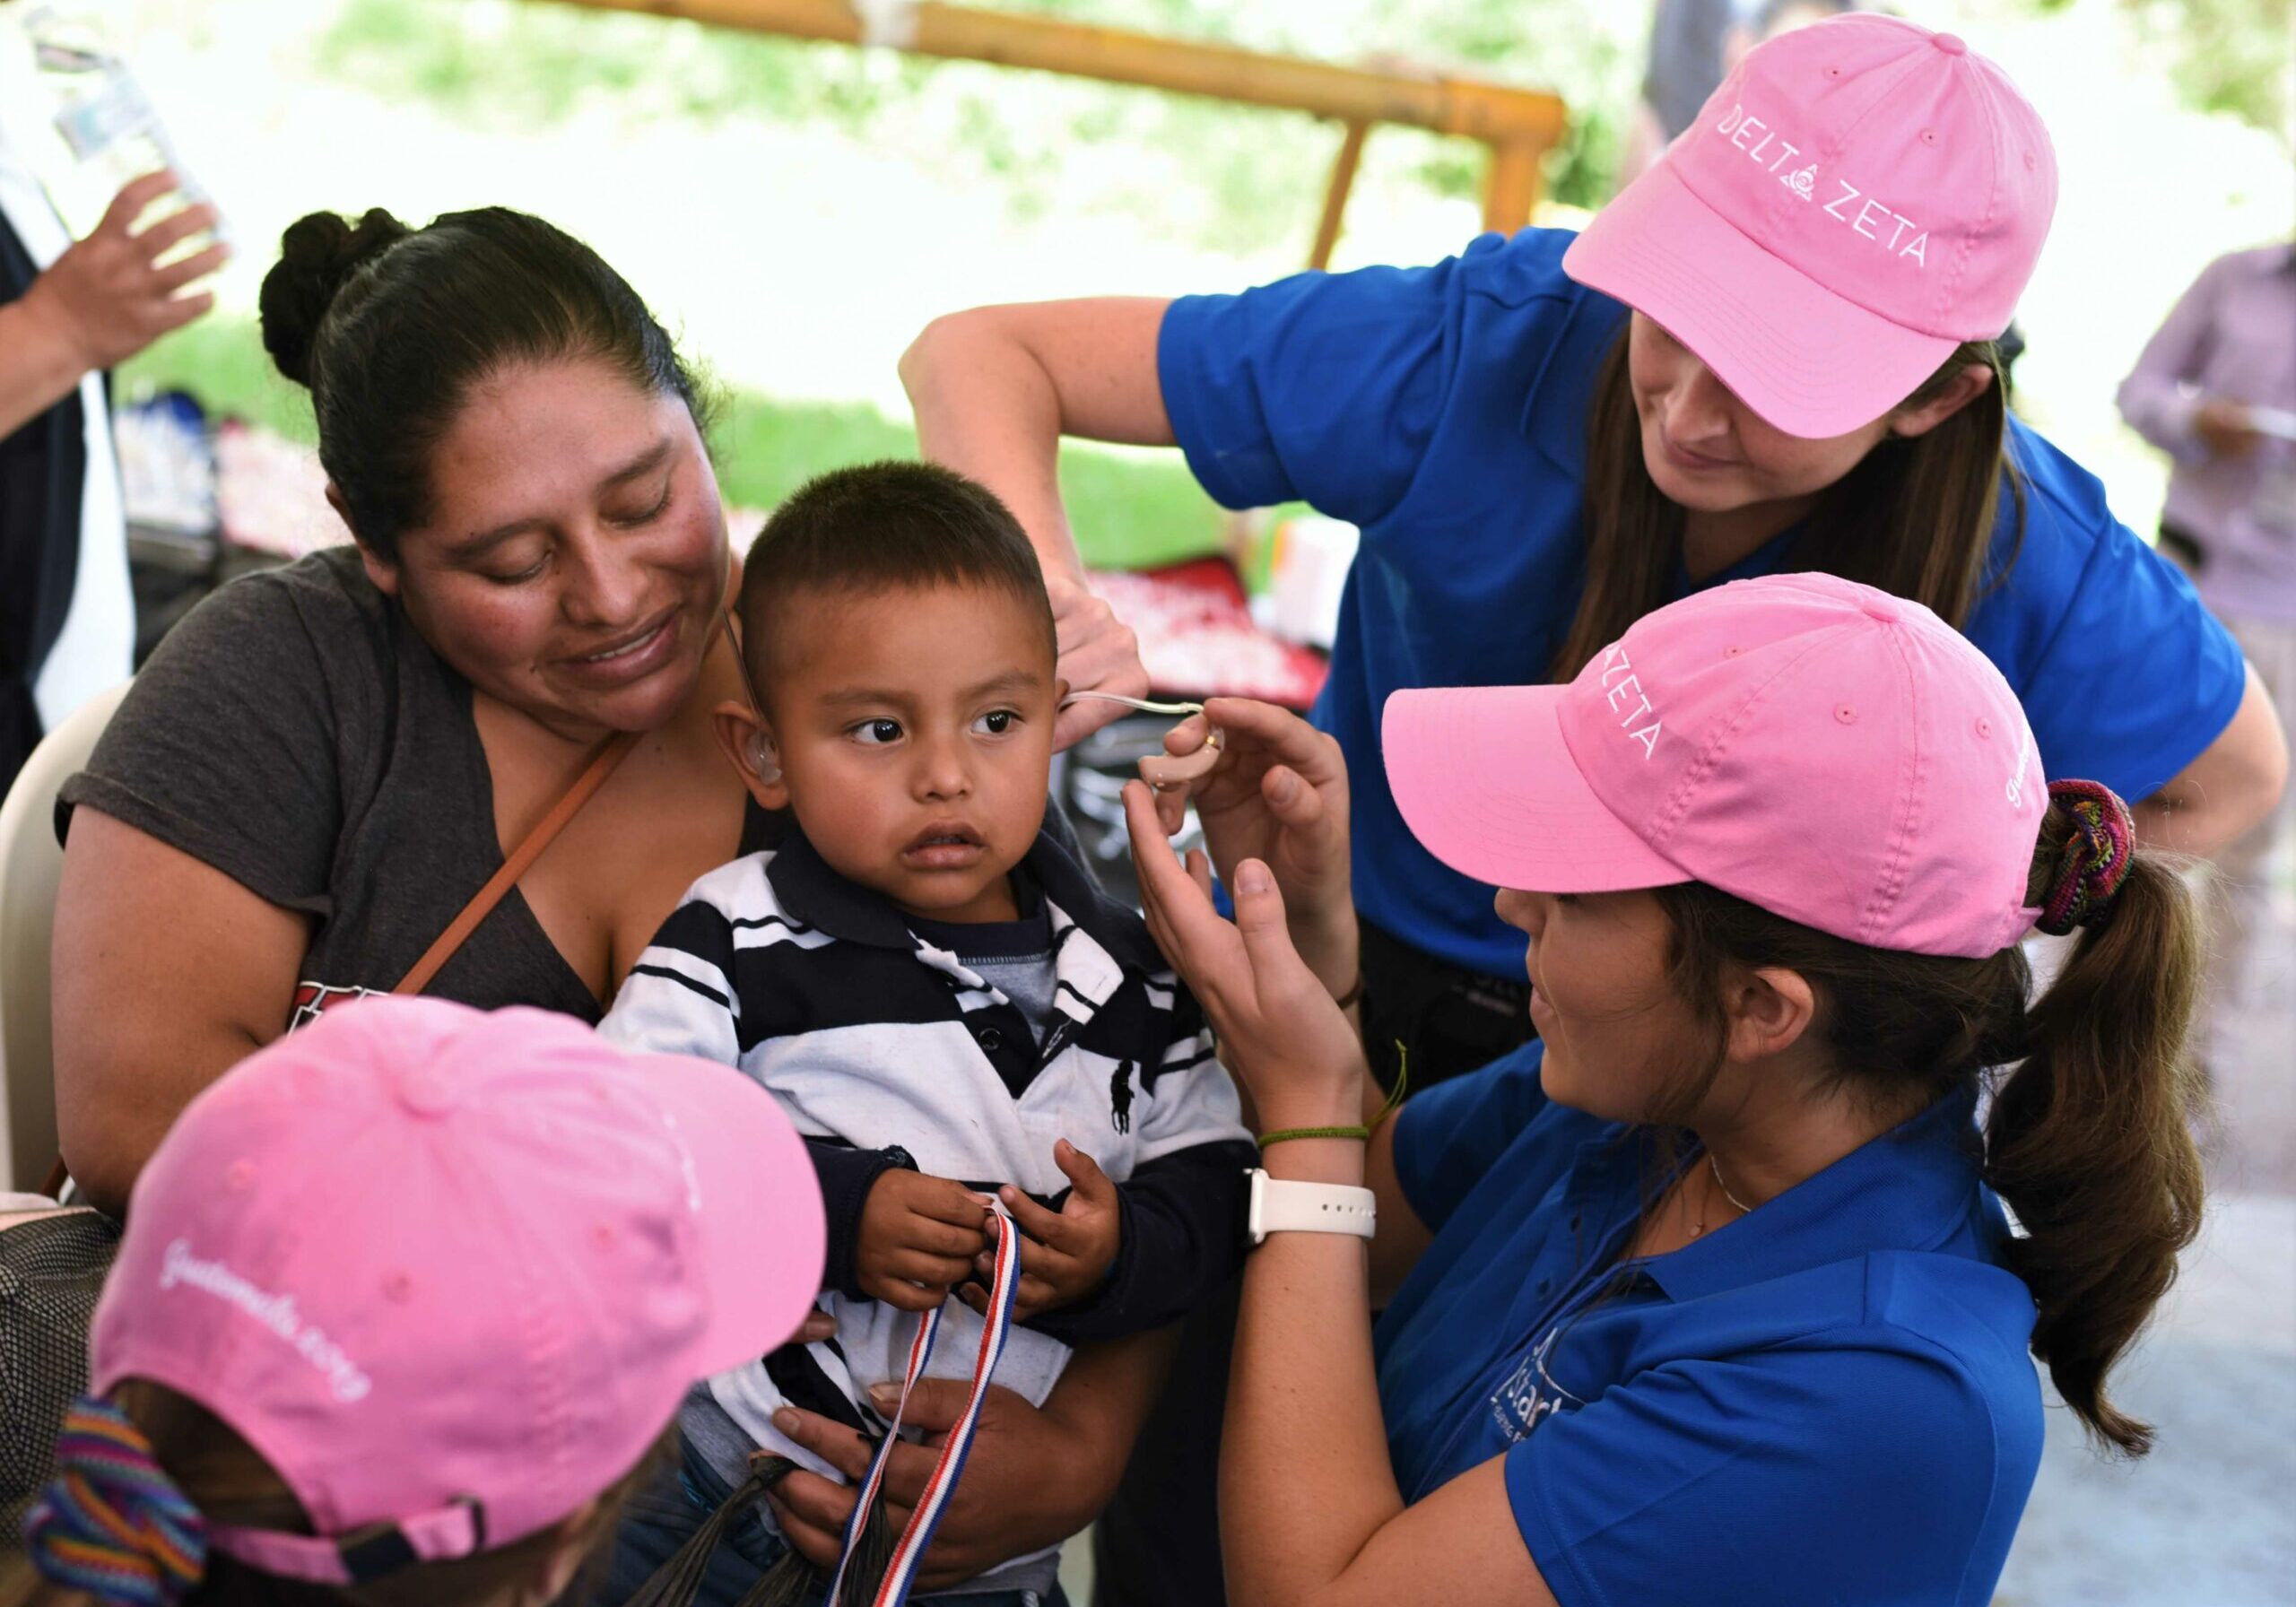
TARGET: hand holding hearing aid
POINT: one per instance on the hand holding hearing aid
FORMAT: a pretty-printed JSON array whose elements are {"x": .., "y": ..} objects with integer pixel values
[
  {"x": 1271, "y": 787},
  {"x": 1174, "y": 772}
]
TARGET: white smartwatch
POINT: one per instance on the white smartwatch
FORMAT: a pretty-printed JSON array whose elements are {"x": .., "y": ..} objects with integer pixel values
[{"x": 1281, "y": 1206}]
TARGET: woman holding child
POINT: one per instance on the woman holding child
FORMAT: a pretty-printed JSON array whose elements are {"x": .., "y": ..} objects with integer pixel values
[{"x": 321, "y": 766}]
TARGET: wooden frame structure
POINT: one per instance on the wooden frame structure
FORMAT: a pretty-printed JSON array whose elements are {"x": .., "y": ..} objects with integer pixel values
[{"x": 1518, "y": 126}]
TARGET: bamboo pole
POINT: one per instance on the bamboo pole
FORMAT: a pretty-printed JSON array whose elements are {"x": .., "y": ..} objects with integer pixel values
[
  {"x": 1343, "y": 179},
  {"x": 1511, "y": 187},
  {"x": 1519, "y": 125}
]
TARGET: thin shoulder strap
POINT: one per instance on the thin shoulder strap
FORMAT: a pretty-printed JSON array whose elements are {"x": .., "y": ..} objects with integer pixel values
[{"x": 609, "y": 755}]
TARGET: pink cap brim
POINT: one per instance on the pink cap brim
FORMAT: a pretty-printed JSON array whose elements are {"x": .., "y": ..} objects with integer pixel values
[
  {"x": 1806, "y": 360},
  {"x": 762, "y": 1232},
  {"x": 1486, "y": 783}
]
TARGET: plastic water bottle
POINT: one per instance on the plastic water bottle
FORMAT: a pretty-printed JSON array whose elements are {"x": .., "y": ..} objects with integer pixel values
[{"x": 106, "y": 130}]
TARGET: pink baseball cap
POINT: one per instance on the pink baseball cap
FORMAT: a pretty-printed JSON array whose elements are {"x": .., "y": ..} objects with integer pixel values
[
  {"x": 1859, "y": 197},
  {"x": 1829, "y": 752},
  {"x": 449, "y": 1273}
]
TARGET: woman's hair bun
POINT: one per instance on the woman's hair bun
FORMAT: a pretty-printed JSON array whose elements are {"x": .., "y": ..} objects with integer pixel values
[{"x": 317, "y": 255}]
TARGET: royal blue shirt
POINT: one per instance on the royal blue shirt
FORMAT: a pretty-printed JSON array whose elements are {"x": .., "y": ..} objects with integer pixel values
[
  {"x": 1829, "y": 1400},
  {"x": 1444, "y": 410}
]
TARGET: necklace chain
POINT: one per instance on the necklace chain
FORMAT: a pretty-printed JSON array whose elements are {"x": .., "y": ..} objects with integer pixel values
[{"x": 1714, "y": 1166}]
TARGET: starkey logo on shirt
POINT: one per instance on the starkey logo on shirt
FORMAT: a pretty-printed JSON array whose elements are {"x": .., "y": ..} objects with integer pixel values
[
  {"x": 1839, "y": 199},
  {"x": 1530, "y": 1396},
  {"x": 1622, "y": 690},
  {"x": 181, "y": 1268}
]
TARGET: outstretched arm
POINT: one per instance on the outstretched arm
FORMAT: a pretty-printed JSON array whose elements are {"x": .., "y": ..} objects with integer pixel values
[
  {"x": 994, "y": 390},
  {"x": 2235, "y": 782},
  {"x": 1310, "y": 1511}
]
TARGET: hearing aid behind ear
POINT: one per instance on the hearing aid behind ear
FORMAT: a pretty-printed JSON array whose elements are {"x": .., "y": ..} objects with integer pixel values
[{"x": 763, "y": 760}]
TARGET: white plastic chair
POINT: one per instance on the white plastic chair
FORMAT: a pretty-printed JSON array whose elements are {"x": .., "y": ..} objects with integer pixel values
[{"x": 30, "y": 863}]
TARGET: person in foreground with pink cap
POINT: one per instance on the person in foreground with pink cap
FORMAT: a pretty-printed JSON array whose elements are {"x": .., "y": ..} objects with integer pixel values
[
  {"x": 1707, "y": 1296},
  {"x": 404, "y": 1307}
]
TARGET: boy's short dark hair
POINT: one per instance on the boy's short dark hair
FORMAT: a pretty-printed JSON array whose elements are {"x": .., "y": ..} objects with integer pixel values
[{"x": 881, "y": 525}]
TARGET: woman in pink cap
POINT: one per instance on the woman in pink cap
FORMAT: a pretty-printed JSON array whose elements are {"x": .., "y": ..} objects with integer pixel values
[
  {"x": 404, "y": 1309},
  {"x": 1707, "y": 1296},
  {"x": 1772, "y": 352}
]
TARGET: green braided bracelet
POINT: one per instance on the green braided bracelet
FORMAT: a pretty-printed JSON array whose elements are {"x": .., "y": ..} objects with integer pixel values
[{"x": 1281, "y": 1134}]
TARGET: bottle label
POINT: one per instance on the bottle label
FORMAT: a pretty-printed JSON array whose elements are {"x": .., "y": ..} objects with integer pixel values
[{"x": 95, "y": 124}]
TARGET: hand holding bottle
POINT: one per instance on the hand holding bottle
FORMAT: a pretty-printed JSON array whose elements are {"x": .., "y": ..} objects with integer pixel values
[{"x": 108, "y": 298}]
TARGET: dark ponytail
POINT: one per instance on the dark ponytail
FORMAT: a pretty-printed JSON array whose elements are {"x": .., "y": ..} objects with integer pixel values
[
  {"x": 2088, "y": 1142},
  {"x": 390, "y": 327}
]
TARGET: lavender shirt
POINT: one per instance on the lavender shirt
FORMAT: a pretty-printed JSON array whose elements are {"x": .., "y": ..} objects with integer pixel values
[{"x": 2233, "y": 335}]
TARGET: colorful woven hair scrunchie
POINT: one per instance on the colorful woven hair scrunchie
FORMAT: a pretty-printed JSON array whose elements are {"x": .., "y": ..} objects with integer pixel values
[
  {"x": 111, "y": 1521},
  {"x": 2095, "y": 859}
]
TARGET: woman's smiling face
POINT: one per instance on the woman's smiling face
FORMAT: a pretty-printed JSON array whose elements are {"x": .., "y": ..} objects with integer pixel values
[
  {"x": 1711, "y": 452},
  {"x": 575, "y": 561},
  {"x": 1619, "y": 1037}
]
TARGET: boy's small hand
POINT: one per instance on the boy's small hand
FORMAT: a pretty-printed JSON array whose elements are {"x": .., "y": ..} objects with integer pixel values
[
  {"x": 1065, "y": 1253},
  {"x": 918, "y": 1236}
]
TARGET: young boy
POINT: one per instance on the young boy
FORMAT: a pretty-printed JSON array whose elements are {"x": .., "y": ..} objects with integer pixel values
[{"x": 944, "y": 1004}]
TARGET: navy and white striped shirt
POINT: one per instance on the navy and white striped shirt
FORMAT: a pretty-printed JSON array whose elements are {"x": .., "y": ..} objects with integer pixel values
[{"x": 872, "y": 1037}]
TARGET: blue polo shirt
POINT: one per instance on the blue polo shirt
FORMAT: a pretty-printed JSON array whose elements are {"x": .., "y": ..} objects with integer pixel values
[
  {"x": 1443, "y": 410},
  {"x": 1829, "y": 1400}
]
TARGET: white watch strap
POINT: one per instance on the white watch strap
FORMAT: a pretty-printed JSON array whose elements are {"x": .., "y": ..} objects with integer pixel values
[{"x": 1281, "y": 1206}]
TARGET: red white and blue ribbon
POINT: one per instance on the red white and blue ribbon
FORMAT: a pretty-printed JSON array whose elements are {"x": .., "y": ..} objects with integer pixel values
[{"x": 996, "y": 1327}]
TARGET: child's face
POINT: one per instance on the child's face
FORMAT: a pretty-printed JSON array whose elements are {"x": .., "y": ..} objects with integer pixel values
[
  {"x": 914, "y": 732},
  {"x": 1618, "y": 1034}
]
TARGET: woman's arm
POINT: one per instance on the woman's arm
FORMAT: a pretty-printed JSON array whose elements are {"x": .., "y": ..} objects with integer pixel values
[
  {"x": 1036, "y": 1475},
  {"x": 2235, "y": 782},
  {"x": 1310, "y": 1508},
  {"x": 166, "y": 974},
  {"x": 994, "y": 390},
  {"x": 1310, "y": 1512},
  {"x": 2154, "y": 399}
]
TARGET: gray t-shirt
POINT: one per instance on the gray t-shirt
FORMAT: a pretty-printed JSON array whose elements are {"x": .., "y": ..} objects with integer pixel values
[{"x": 295, "y": 733}]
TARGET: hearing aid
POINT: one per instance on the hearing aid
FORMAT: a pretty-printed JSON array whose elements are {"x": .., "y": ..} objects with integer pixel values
[
  {"x": 1161, "y": 771},
  {"x": 1165, "y": 773}
]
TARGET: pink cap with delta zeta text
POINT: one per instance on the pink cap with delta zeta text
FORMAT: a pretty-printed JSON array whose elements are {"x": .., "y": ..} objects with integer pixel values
[
  {"x": 1859, "y": 197},
  {"x": 1832, "y": 753},
  {"x": 449, "y": 1273}
]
